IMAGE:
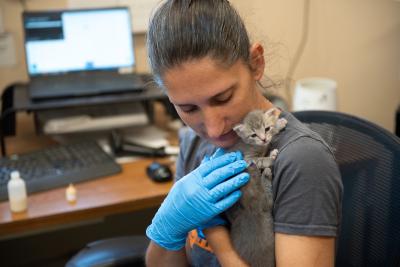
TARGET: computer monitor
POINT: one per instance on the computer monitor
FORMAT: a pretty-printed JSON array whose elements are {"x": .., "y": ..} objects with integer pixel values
[{"x": 78, "y": 40}]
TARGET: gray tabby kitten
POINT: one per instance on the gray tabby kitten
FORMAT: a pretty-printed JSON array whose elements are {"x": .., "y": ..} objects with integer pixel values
[{"x": 251, "y": 219}]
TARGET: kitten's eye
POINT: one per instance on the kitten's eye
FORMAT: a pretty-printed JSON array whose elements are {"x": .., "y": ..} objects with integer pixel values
[
  {"x": 253, "y": 135},
  {"x": 267, "y": 129}
]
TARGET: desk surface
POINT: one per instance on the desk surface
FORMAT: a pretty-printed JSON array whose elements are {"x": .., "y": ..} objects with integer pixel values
[{"x": 127, "y": 191}]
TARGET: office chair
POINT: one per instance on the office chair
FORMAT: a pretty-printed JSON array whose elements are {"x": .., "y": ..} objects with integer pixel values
[
  {"x": 119, "y": 251},
  {"x": 7, "y": 115},
  {"x": 369, "y": 161}
]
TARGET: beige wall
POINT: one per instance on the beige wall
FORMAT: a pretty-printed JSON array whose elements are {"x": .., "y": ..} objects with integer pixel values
[{"x": 355, "y": 42}]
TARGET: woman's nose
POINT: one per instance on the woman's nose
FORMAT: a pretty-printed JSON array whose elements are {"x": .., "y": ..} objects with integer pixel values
[{"x": 213, "y": 123}]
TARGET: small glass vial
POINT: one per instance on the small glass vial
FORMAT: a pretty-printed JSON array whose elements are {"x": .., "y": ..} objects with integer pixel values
[
  {"x": 17, "y": 193},
  {"x": 71, "y": 194}
]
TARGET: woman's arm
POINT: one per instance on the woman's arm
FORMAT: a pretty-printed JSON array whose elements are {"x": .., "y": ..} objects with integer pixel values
[
  {"x": 195, "y": 199},
  {"x": 220, "y": 241},
  {"x": 295, "y": 250},
  {"x": 158, "y": 256},
  {"x": 290, "y": 250},
  {"x": 199, "y": 196}
]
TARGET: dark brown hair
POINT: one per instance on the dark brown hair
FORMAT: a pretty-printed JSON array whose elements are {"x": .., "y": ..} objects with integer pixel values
[{"x": 182, "y": 30}]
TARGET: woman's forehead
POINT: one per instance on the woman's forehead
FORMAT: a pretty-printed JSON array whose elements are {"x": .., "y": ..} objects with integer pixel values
[{"x": 200, "y": 78}]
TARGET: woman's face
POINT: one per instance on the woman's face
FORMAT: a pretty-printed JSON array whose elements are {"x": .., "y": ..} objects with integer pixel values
[{"x": 211, "y": 99}]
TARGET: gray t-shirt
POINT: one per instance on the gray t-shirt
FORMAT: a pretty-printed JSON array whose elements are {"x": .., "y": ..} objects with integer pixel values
[{"x": 307, "y": 186}]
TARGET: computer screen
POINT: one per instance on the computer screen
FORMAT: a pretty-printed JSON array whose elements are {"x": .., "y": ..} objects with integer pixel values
[{"x": 78, "y": 40}]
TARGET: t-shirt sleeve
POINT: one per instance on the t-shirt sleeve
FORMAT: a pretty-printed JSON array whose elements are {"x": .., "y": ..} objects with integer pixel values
[
  {"x": 307, "y": 189},
  {"x": 185, "y": 138},
  {"x": 179, "y": 167},
  {"x": 192, "y": 151}
]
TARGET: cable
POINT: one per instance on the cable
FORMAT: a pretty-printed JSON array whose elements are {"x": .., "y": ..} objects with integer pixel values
[{"x": 300, "y": 49}]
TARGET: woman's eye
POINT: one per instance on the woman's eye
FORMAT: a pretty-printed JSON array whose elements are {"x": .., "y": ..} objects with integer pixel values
[
  {"x": 188, "y": 109},
  {"x": 267, "y": 129},
  {"x": 223, "y": 100}
]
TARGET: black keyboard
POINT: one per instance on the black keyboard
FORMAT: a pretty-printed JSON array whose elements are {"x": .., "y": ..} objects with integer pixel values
[
  {"x": 57, "y": 166},
  {"x": 89, "y": 84}
]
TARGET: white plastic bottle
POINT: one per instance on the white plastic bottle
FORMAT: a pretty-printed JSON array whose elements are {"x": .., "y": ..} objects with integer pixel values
[{"x": 17, "y": 193}]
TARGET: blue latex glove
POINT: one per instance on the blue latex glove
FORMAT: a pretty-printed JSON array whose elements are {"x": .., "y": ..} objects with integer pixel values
[
  {"x": 198, "y": 197},
  {"x": 217, "y": 220}
]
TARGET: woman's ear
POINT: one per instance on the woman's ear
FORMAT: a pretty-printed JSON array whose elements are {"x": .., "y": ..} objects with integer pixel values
[{"x": 257, "y": 62}]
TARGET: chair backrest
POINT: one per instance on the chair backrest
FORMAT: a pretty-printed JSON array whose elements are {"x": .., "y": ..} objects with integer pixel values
[{"x": 369, "y": 160}]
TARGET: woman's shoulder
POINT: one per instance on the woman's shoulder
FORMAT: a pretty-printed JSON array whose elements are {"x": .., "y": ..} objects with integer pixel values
[
  {"x": 190, "y": 142},
  {"x": 193, "y": 148},
  {"x": 297, "y": 139}
]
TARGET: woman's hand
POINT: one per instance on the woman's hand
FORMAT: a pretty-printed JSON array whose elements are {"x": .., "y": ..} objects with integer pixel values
[{"x": 198, "y": 197}]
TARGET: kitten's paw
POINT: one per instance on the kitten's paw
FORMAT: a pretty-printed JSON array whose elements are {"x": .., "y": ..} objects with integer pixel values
[
  {"x": 281, "y": 123},
  {"x": 259, "y": 164},
  {"x": 267, "y": 176},
  {"x": 267, "y": 173},
  {"x": 273, "y": 154}
]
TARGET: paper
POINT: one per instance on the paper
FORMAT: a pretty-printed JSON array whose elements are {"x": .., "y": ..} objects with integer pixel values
[
  {"x": 149, "y": 136},
  {"x": 7, "y": 50},
  {"x": 140, "y": 9}
]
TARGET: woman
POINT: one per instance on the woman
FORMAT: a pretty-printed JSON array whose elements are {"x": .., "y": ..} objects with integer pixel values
[{"x": 200, "y": 54}]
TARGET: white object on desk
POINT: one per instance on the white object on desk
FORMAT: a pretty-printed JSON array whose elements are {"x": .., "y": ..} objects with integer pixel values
[
  {"x": 315, "y": 94},
  {"x": 85, "y": 119},
  {"x": 86, "y": 123},
  {"x": 148, "y": 136},
  {"x": 17, "y": 193}
]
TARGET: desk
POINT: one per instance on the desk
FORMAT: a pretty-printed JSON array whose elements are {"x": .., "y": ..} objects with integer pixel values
[{"x": 127, "y": 191}]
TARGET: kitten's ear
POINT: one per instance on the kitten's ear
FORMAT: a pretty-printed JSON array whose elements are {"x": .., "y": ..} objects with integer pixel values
[
  {"x": 238, "y": 128},
  {"x": 272, "y": 112},
  {"x": 269, "y": 112}
]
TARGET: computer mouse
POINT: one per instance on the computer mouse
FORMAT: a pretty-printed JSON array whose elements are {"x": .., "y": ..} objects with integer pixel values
[{"x": 159, "y": 172}]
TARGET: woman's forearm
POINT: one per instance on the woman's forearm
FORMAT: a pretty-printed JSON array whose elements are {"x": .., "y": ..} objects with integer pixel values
[{"x": 158, "y": 256}]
